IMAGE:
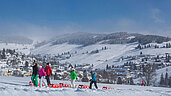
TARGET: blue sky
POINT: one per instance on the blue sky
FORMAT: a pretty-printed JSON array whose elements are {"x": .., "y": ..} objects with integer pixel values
[{"x": 47, "y": 18}]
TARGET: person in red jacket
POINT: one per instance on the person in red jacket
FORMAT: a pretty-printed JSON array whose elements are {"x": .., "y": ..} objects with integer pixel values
[{"x": 48, "y": 71}]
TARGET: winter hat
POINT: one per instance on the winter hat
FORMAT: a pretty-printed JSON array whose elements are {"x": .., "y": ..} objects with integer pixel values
[
  {"x": 91, "y": 72},
  {"x": 72, "y": 68}
]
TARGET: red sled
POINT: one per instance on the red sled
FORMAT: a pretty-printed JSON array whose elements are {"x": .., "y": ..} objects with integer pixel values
[
  {"x": 83, "y": 87},
  {"x": 31, "y": 84},
  {"x": 65, "y": 85},
  {"x": 55, "y": 86},
  {"x": 107, "y": 88}
]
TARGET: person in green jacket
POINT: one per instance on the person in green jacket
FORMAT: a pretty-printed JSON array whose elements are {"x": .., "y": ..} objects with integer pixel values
[{"x": 73, "y": 77}]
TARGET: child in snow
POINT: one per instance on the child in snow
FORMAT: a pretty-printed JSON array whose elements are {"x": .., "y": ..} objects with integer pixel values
[
  {"x": 93, "y": 80},
  {"x": 48, "y": 71},
  {"x": 42, "y": 75},
  {"x": 73, "y": 77},
  {"x": 35, "y": 74},
  {"x": 143, "y": 83}
]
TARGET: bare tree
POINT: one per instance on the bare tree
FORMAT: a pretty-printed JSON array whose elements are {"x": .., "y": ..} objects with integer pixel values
[
  {"x": 85, "y": 76},
  {"x": 170, "y": 81},
  {"x": 166, "y": 79},
  {"x": 149, "y": 72},
  {"x": 161, "y": 80}
]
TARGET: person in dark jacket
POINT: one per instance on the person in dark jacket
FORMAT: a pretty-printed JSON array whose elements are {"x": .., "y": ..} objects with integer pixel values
[
  {"x": 35, "y": 74},
  {"x": 93, "y": 80},
  {"x": 48, "y": 71}
]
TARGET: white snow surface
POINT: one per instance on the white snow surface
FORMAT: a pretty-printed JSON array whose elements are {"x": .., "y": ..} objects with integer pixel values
[
  {"x": 163, "y": 70},
  {"x": 24, "y": 48},
  {"x": 19, "y": 86},
  {"x": 54, "y": 49},
  {"x": 101, "y": 59}
]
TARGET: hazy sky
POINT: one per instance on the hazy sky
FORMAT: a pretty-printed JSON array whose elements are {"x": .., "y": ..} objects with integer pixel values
[{"x": 47, "y": 18}]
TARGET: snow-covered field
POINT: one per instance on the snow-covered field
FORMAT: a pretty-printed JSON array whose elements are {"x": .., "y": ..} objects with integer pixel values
[
  {"x": 24, "y": 48},
  {"x": 113, "y": 51},
  {"x": 163, "y": 70},
  {"x": 18, "y": 86}
]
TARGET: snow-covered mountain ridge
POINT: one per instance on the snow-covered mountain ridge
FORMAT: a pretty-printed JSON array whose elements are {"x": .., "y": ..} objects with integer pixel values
[
  {"x": 15, "y": 39},
  {"x": 86, "y": 39},
  {"x": 83, "y": 55}
]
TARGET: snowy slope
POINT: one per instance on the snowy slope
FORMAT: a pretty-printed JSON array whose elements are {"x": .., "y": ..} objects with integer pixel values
[
  {"x": 55, "y": 49},
  {"x": 163, "y": 70},
  {"x": 113, "y": 51},
  {"x": 18, "y": 86},
  {"x": 24, "y": 48},
  {"x": 101, "y": 59}
]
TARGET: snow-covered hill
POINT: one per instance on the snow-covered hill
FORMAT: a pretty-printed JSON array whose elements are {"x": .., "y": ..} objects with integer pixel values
[
  {"x": 112, "y": 53},
  {"x": 163, "y": 70},
  {"x": 24, "y": 48},
  {"x": 15, "y": 39},
  {"x": 18, "y": 86},
  {"x": 110, "y": 38}
]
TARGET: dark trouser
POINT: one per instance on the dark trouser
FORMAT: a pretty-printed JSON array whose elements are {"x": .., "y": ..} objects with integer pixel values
[
  {"x": 94, "y": 84},
  {"x": 48, "y": 79}
]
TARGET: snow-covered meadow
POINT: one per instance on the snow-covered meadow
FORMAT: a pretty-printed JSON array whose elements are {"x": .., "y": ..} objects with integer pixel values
[
  {"x": 19, "y": 86},
  {"x": 24, "y": 48},
  {"x": 101, "y": 59}
]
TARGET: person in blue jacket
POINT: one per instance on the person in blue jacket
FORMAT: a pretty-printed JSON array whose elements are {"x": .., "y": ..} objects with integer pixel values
[{"x": 93, "y": 80}]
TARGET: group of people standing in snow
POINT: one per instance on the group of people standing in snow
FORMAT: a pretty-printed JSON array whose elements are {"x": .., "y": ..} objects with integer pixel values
[{"x": 39, "y": 72}]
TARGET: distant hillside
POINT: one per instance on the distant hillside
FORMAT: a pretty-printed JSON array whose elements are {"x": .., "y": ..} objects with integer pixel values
[
  {"x": 15, "y": 39},
  {"x": 86, "y": 39}
]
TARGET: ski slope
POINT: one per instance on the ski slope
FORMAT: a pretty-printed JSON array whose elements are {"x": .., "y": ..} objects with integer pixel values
[{"x": 18, "y": 86}]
